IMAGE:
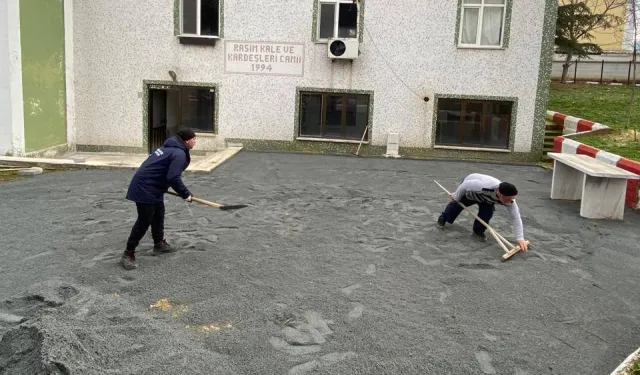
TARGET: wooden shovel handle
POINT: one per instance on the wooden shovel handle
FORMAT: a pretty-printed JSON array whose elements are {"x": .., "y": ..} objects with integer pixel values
[
  {"x": 513, "y": 251},
  {"x": 201, "y": 201},
  {"x": 501, "y": 240}
]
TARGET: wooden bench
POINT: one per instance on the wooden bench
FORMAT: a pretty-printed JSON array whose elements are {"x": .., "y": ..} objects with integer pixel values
[{"x": 601, "y": 187}]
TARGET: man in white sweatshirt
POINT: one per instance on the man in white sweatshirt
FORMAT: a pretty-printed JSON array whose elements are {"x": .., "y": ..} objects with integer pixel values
[{"x": 486, "y": 192}]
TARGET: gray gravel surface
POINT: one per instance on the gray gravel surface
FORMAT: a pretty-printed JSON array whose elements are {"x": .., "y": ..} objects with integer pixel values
[{"x": 336, "y": 267}]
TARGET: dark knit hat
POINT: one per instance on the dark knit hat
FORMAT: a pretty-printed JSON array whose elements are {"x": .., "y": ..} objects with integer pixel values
[
  {"x": 186, "y": 134},
  {"x": 507, "y": 189}
]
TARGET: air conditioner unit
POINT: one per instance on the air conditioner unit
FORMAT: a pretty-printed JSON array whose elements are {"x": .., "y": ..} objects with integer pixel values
[{"x": 346, "y": 48}]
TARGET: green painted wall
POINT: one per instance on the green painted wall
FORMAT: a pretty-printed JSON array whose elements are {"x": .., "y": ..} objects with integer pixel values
[{"x": 43, "y": 76}]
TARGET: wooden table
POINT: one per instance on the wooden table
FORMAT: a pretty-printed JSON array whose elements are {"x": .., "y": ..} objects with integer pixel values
[{"x": 600, "y": 187}]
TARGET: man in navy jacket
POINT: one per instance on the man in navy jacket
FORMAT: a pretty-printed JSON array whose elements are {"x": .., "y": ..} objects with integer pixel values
[{"x": 161, "y": 170}]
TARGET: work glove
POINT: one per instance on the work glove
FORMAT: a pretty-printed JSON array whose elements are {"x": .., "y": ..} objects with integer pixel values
[{"x": 188, "y": 199}]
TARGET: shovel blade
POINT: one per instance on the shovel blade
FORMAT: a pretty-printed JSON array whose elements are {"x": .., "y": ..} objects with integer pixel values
[{"x": 227, "y": 207}]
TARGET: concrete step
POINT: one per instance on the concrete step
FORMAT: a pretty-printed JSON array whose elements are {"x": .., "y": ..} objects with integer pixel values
[{"x": 546, "y": 159}]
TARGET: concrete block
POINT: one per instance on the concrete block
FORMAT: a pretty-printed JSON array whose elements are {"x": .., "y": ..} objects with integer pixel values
[{"x": 31, "y": 171}]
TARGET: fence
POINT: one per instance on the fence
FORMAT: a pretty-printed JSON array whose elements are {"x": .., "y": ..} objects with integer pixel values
[{"x": 599, "y": 71}]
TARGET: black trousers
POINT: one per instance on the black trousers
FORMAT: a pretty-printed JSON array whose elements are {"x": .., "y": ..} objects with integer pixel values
[
  {"x": 148, "y": 215},
  {"x": 485, "y": 213}
]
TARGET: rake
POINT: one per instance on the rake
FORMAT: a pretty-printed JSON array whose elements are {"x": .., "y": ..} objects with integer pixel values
[
  {"x": 223, "y": 207},
  {"x": 509, "y": 252}
]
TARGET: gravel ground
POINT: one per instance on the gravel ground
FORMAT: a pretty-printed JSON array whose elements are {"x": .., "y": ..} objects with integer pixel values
[{"x": 337, "y": 267}]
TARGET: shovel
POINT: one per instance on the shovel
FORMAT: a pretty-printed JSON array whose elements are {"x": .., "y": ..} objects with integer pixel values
[
  {"x": 509, "y": 252},
  {"x": 223, "y": 207}
]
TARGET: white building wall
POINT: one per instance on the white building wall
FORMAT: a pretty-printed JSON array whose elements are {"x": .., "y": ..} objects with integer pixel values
[
  {"x": 11, "y": 115},
  {"x": 118, "y": 44}
]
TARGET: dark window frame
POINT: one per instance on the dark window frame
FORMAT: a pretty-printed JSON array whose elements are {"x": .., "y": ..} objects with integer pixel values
[
  {"x": 183, "y": 99},
  {"x": 198, "y": 38},
  {"x": 506, "y": 126},
  {"x": 344, "y": 95},
  {"x": 317, "y": 19}
]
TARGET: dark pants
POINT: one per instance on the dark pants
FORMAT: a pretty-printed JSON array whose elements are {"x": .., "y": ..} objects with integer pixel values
[
  {"x": 148, "y": 215},
  {"x": 485, "y": 213}
]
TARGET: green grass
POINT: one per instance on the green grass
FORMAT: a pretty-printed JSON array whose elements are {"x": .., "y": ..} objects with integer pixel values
[
  {"x": 608, "y": 105},
  {"x": 8, "y": 176}
]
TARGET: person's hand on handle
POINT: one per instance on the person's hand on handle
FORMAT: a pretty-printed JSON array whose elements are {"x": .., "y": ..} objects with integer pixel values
[
  {"x": 523, "y": 245},
  {"x": 188, "y": 199}
]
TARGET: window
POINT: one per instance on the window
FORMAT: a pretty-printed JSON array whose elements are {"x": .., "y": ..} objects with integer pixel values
[
  {"x": 333, "y": 115},
  {"x": 200, "y": 18},
  {"x": 337, "y": 19},
  {"x": 482, "y": 23},
  {"x": 197, "y": 104},
  {"x": 473, "y": 123}
]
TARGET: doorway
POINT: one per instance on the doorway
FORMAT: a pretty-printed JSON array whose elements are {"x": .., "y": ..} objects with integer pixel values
[{"x": 172, "y": 107}]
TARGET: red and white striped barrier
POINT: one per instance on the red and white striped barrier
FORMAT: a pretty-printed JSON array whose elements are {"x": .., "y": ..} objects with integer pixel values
[
  {"x": 571, "y": 125},
  {"x": 570, "y": 146}
]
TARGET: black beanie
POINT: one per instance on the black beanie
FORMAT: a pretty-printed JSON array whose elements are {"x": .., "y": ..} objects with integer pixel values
[
  {"x": 186, "y": 134},
  {"x": 507, "y": 189}
]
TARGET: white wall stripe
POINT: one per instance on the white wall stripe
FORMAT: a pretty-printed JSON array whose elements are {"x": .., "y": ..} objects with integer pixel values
[
  {"x": 569, "y": 146},
  {"x": 608, "y": 157},
  {"x": 15, "y": 67},
  {"x": 68, "y": 57},
  {"x": 571, "y": 124}
]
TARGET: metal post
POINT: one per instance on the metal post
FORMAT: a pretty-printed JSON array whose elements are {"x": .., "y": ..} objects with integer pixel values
[
  {"x": 575, "y": 72},
  {"x": 601, "y": 71}
]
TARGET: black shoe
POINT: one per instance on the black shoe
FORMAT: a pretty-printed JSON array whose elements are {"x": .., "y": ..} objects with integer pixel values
[
  {"x": 480, "y": 236},
  {"x": 128, "y": 261},
  {"x": 441, "y": 222},
  {"x": 162, "y": 247}
]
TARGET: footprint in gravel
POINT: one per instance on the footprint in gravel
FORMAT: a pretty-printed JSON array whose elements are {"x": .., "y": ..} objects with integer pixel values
[
  {"x": 104, "y": 256},
  {"x": 489, "y": 337},
  {"x": 416, "y": 256},
  {"x": 211, "y": 238},
  {"x": 371, "y": 270},
  {"x": 356, "y": 311},
  {"x": 52, "y": 293},
  {"x": 126, "y": 279},
  {"x": 224, "y": 229},
  {"x": 484, "y": 359},
  {"x": 378, "y": 249},
  {"x": 93, "y": 235},
  {"x": 324, "y": 361},
  {"x": 348, "y": 290},
  {"x": 477, "y": 266},
  {"x": 293, "y": 350},
  {"x": 186, "y": 244},
  {"x": 301, "y": 338}
]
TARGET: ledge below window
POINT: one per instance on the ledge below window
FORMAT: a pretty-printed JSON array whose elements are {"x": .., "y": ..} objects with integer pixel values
[
  {"x": 205, "y": 135},
  {"x": 472, "y": 149},
  {"x": 198, "y": 40},
  {"x": 480, "y": 47},
  {"x": 334, "y": 140}
]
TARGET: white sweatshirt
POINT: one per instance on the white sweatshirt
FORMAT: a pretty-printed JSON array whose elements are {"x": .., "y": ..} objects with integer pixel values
[{"x": 482, "y": 188}]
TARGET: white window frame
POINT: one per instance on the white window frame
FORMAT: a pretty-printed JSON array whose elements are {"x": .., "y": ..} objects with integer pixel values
[
  {"x": 198, "y": 22},
  {"x": 481, "y": 8},
  {"x": 336, "y": 17}
]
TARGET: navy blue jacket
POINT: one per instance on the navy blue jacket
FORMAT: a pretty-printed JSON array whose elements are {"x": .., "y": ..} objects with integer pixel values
[{"x": 161, "y": 170}]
